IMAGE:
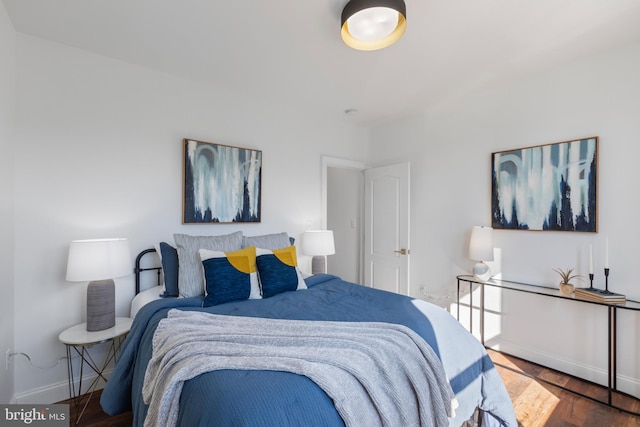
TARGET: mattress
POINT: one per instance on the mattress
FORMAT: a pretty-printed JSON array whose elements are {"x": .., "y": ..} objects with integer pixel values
[{"x": 144, "y": 298}]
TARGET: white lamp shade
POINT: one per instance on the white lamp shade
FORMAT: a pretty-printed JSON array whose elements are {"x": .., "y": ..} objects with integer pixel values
[
  {"x": 98, "y": 259},
  {"x": 481, "y": 244},
  {"x": 318, "y": 242}
]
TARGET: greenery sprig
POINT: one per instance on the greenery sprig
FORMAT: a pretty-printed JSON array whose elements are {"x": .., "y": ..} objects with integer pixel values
[{"x": 566, "y": 274}]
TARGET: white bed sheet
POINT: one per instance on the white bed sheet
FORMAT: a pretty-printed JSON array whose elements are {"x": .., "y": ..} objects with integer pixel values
[{"x": 143, "y": 298}]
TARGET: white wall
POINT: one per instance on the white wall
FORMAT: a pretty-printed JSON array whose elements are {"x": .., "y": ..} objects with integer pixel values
[
  {"x": 450, "y": 151},
  {"x": 98, "y": 154},
  {"x": 7, "y": 107}
]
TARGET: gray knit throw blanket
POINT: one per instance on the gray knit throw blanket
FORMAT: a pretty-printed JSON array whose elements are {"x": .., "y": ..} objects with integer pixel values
[{"x": 377, "y": 374}]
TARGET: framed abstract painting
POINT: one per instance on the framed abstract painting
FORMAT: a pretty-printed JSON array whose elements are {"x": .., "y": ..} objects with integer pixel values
[
  {"x": 221, "y": 183},
  {"x": 547, "y": 187}
]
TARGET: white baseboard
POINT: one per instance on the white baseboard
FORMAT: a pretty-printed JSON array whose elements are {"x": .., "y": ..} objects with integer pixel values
[
  {"x": 44, "y": 395},
  {"x": 57, "y": 392},
  {"x": 587, "y": 372}
]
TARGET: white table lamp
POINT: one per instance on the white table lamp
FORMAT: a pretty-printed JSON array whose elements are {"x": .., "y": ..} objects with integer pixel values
[
  {"x": 99, "y": 261},
  {"x": 319, "y": 244},
  {"x": 481, "y": 249}
]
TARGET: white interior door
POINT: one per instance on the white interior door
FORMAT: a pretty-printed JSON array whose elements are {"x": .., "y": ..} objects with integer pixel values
[{"x": 386, "y": 228}]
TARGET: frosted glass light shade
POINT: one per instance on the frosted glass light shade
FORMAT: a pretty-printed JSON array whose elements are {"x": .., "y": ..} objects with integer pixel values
[
  {"x": 98, "y": 259},
  {"x": 373, "y": 24},
  {"x": 481, "y": 244}
]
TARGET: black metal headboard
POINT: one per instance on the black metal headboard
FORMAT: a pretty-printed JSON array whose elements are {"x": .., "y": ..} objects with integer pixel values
[{"x": 137, "y": 270}]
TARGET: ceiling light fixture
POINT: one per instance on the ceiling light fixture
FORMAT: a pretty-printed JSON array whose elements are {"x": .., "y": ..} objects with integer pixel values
[{"x": 373, "y": 24}]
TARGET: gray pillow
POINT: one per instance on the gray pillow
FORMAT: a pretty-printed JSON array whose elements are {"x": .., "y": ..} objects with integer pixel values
[
  {"x": 190, "y": 278},
  {"x": 267, "y": 241}
]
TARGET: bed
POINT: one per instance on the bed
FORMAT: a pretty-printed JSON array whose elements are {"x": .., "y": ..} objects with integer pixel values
[{"x": 254, "y": 396}]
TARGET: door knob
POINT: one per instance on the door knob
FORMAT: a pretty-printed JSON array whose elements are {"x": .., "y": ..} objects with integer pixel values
[{"x": 402, "y": 251}]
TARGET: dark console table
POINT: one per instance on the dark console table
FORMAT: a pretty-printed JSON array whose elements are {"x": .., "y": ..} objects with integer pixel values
[{"x": 546, "y": 291}]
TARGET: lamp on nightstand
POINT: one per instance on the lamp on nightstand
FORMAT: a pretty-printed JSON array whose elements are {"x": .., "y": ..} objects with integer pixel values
[
  {"x": 99, "y": 261},
  {"x": 318, "y": 243},
  {"x": 481, "y": 249}
]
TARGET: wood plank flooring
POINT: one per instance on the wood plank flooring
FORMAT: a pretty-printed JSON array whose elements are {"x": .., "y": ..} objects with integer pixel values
[
  {"x": 536, "y": 403},
  {"x": 94, "y": 416}
]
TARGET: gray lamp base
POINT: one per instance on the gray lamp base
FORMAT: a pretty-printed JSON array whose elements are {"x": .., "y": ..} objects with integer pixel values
[
  {"x": 318, "y": 264},
  {"x": 101, "y": 305}
]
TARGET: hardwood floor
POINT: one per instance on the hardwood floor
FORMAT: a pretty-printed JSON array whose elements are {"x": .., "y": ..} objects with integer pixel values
[
  {"x": 94, "y": 416},
  {"x": 536, "y": 403}
]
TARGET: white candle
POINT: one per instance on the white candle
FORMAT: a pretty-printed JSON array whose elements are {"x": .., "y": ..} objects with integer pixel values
[
  {"x": 606, "y": 254},
  {"x": 590, "y": 258}
]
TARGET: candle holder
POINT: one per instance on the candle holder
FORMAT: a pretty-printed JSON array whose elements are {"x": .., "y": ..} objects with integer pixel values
[
  {"x": 606, "y": 283},
  {"x": 590, "y": 281}
]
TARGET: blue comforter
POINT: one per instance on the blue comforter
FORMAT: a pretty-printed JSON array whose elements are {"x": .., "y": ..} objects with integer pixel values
[{"x": 268, "y": 398}]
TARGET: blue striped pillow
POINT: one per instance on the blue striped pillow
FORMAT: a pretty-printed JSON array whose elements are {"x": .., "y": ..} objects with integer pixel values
[{"x": 190, "y": 280}]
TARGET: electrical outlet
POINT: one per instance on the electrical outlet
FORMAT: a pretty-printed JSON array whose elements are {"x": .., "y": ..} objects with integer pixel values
[{"x": 7, "y": 355}]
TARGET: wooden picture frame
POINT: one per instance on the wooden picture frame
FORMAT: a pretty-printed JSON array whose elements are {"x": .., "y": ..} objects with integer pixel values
[
  {"x": 221, "y": 183},
  {"x": 550, "y": 187}
]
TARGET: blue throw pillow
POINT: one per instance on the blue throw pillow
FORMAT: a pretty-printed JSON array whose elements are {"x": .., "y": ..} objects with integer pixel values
[
  {"x": 169, "y": 258},
  {"x": 278, "y": 271},
  {"x": 229, "y": 276}
]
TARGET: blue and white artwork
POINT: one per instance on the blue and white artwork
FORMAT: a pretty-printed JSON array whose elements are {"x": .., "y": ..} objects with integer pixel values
[
  {"x": 222, "y": 184},
  {"x": 548, "y": 187}
]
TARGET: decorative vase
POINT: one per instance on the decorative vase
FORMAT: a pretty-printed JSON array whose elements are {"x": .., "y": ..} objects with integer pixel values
[{"x": 566, "y": 289}]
